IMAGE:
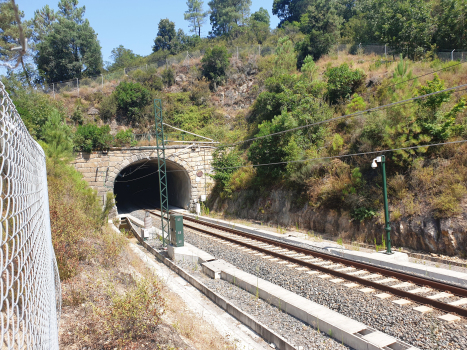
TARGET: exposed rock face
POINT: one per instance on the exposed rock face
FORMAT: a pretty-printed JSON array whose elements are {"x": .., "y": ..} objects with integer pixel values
[{"x": 441, "y": 236}]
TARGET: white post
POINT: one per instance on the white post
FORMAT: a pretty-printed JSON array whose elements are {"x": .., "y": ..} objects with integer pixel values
[
  {"x": 124, "y": 72},
  {"x": 53, "y": 89},
  {"x": 146, "y": 66},
  {"x": 452, "y": 55},
  {"x": 77, "y": 84}
]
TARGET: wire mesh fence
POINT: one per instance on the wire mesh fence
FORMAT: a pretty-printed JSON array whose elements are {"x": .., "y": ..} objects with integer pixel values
[
  {"x": 188, "y": 59},
  {"x": 30, "y": 284}
]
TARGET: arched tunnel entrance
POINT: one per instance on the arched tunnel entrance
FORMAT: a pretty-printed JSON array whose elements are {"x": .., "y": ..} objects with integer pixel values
[{"x": 137, "y": 186}]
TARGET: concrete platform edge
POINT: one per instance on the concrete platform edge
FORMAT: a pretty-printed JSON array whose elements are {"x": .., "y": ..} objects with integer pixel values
[{"x": 248, "y": 320}]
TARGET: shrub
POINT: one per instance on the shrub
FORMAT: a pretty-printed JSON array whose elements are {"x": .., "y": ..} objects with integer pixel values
[
  {"x": 225, "y": 163},
  {"x": 124, "y": 138},
  {"x": 108, "y": 108},
  {"x": 215, "y": 63},
  {"x": 90, "y": 137},
  {"x": 168, "y": 76},
  {"x": 130, "y": 316},
  {"x": 343, "y": 82},
  {"x": 131, "y": 98}
]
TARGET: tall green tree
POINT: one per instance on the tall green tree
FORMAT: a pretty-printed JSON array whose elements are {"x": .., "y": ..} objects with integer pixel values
[
  {"x": 290, "y": 10},
  {"x": 407, "y": 26},
  {"x": 195, "y": 15},
  {"x": 122, "y": 57},
  {"x": 321, "y": 23},
  {"x": 42, "y": 23},
  {"x": 262, "y": 15},
  {"x": 227, "y": 13},
  {"x": 450, "y": 24},
  {"x": 165, "y": 35},
  {"x": 70, "y": 49}
]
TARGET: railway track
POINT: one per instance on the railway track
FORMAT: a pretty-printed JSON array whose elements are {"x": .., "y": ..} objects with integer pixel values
[{"x": 341, "y": 269}]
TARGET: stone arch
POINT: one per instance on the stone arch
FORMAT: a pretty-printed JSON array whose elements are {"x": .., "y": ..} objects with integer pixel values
[{"x": 182, "y": 186}]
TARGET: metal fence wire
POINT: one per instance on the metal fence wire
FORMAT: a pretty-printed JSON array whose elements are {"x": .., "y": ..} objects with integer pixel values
[{"x": 30, "y": 284}]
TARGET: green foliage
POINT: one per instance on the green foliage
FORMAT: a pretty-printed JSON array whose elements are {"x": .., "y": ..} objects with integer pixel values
[
  {"x": 165, "y": 35},
  {"x": 57, "y": 136},
  {"x": 131, "y": 98},
  {"x": 262, "y": 15},
  {"x": 108, "y": 108},
  {"x": 356, "y": 104},
  {"x": 321, "y": 24},
  {"x": 90, "y": 137},
  {"x": 148, "y": 78},
  {"x": 123, "y": 57},
  {"x": 70, "y": 49},
  {"x": 343, "y": 82},
  {"x": 195, "y": 15},
  {"x": 286, "y": 59},
  {"x": 108, "y": 205},
  {"x": 362, "y": 214},
  {"x": 124, "y": 138},
  {"x": 168, "y": 76},
  {"x": 225, "y": 14},
  {"x": 215, "y": 63},
  {"x": 225, "y": 162}
]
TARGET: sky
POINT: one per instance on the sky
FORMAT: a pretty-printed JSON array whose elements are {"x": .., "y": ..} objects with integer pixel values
[{"x": 133, "y": 23}]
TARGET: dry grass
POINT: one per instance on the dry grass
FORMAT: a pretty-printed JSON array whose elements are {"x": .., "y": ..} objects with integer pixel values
[{"x": 123, "y": 305}]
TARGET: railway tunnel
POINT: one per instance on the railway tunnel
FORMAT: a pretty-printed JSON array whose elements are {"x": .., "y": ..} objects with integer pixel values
[{"x": 137, "y": 186}]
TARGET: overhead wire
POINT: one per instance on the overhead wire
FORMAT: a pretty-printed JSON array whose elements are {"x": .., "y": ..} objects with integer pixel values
[
  {"x": 344, "y": 155},
  {"x": 351, "y": 115}
]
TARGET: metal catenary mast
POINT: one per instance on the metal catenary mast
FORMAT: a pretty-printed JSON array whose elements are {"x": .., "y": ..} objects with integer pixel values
[{"x": 164, "y": 199}]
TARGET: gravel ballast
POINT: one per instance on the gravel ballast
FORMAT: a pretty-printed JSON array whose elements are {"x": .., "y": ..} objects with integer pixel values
[
  {"x": 423, "y": 331},
  {"x": 295, "y": 331}
]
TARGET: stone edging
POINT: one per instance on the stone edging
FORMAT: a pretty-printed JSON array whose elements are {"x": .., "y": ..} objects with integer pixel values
[{"x": 269, "y": 335}]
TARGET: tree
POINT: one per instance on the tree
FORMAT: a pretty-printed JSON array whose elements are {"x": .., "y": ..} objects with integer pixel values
[
  {"x": 122, "y": 57},
  {"x": 450, "y": 24},
  {"x": 290, "y": 10},
  {"x": 215, "y": 63},
  {"x": 70, "y": 48},
  {"x": 195, "y": 15},
  {"x": 262, "y": 15},
  {"x": 11, "y": 36},
  {"x": 226, "y": 13},
  {"x": 406, "y": 26},
  {"x": 165, "y": 35},
  {"x": 322, "y": 24},
  {"x": 42, "y": 23}
]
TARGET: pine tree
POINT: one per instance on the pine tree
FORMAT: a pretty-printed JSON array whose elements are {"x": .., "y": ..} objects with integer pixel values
[{"x": 195, "y": 15}]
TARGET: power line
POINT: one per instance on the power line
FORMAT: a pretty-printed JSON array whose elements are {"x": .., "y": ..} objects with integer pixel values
[
  {"x": 410, "y": 100},
  {"x": 346, "y": 155}
]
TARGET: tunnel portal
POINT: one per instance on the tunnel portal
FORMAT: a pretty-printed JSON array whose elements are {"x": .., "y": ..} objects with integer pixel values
[{"x": 137, "y": 186}]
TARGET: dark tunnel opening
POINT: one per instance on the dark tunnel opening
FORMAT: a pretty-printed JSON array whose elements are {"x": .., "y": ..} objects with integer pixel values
[{"x": 137, "y": 186}]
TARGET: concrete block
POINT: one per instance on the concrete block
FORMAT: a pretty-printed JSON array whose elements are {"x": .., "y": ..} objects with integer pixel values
[
  {"x": 420, "y": 290},
  {"x": 402, "y": 302},
  {"x": 423, "y": 309},
  {"x": 383, "y": 295},
  {"x": 449, "y": 318},
  {"x": 351, "y": 285},
  {"x": 459, "y": 302},
  {"x": 440, "y": 296},
  {"x": 367, "y": 290},
  {"x": 211, "y": 270},
  {"x": 337, "y": 280}
]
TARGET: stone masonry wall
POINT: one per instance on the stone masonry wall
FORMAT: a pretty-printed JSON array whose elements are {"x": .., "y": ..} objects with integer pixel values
[{"x": 100, "y": 169}]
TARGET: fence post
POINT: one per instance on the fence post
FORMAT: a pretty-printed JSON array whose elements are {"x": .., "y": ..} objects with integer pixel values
[
  {"x": 53, "y": 89},
  {"x": 452, "y": 55},
  {"x": 77, "y": 84}
]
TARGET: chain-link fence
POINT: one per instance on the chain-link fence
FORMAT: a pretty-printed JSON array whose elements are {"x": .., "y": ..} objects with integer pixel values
[
  {"x": 30, "y": 284},
  {"x": 185, "y": 60}
]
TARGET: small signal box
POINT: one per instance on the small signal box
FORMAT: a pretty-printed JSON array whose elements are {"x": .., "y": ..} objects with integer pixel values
[{"x": 177, "y": 238}]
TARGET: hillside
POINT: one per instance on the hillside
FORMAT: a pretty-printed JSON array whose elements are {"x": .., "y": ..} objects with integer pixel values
[{"x": 263, "y": 95}]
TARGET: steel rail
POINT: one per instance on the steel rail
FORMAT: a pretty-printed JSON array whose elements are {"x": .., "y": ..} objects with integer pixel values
[{"x": 399, "y": 275}]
